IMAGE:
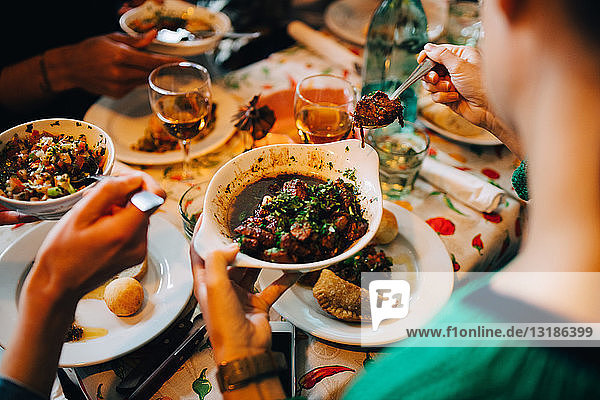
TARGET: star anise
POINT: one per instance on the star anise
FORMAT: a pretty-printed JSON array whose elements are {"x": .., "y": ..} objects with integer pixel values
[{"x": 256, "y": 120}]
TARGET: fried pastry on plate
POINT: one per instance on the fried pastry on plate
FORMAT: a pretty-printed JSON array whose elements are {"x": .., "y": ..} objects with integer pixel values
[{"x": 339, "y": 297}]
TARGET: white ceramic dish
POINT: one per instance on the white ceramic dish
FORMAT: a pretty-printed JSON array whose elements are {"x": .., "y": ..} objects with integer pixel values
[
  {"x": 326, "y": 161},
  {"x": 167, "y": 288},
  {"x": 55, "y": 208},
  {"x": 127, "y": 118},
  {"x": 219, "y": 21},
  {"x": 350, "y": 19},
  {"x": 417, "y": 249},
  {"x": 484, "y": 139}
]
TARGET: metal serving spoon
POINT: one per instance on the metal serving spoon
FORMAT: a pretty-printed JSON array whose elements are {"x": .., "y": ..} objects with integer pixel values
[
  {"x": 182, "y": 34},
  {"x": 420, "y": 71}
]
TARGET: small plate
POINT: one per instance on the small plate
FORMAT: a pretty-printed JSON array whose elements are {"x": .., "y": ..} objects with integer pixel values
[
  {"x": 350, "y": 19},
  {"x": 416, "y": 249},
  {"x": 167, "y": 288},
  {"x": 127, "y": 118},
  {"x": 218, "y": 20},
  {"x": 324, "y": 161},
  {"x": 483, "y": 139}
]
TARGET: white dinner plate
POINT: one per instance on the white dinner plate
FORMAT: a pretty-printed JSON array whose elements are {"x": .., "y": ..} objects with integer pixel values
[
  {"x": 350, "y": 19},
  {"x": 416, "y": 249},
  {"x": 167, "y": 288},
  {"x": 483, "y": 139},
  {"x": 126, "y": 119}
]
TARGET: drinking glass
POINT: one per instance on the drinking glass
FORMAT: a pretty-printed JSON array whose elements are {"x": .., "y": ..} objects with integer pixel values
[
  {"x": 401, "y": 154},
  {"x": 190, "y": 207},
  {"x": 181, "y": 96},
  {"x": 323, "y": 105}
]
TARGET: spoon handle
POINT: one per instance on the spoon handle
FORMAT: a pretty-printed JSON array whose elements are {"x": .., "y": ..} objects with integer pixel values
[{"x": 419, "y": 72}]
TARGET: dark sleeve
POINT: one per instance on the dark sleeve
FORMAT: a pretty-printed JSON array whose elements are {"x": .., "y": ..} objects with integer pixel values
[{"x": 10, "y": 390}]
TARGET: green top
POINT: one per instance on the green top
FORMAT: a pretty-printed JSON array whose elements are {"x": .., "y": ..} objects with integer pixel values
[{"x": 479, "y": 372}]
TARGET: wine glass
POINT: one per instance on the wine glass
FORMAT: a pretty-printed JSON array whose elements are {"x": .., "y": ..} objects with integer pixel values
[
  {"x": 181, "y": 96},
  {"x": 323, "y": 105}
]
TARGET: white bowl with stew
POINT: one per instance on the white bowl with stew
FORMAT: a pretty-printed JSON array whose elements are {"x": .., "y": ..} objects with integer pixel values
[
  {"x": 346, "y": 159},
  {"x": 54, "y": 208}
]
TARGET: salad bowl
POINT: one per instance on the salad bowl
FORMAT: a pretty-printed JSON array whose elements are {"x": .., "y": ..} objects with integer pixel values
[{"x": 54, "y": 208}]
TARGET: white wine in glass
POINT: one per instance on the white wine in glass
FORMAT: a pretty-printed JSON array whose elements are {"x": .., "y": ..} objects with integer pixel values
[
  {"x": 323, "y": 105},
  {"x": 181, "y": 96}
]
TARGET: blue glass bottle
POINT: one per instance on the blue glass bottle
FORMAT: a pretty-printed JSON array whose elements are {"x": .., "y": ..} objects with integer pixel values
[{"x": 397, "y": 33}]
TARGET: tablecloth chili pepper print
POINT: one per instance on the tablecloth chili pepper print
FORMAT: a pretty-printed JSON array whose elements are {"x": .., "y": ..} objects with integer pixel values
[
  {"x": 442, "y": 226},
  {"x": 202, "y": 385},
  {"x": 518, "y": 227},
  {"x": 477, "y": 243},
  {"x": 455, "y": 264},
  {"x": 492, "y": 217},
  {"x": 490, "y": 173},
  {"x": 316, "y": 375}
]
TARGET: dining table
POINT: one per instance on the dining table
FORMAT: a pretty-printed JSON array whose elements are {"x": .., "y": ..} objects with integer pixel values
[{"x": 475, "y": 240}]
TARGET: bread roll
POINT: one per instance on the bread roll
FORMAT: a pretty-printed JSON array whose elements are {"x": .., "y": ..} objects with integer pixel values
[
  {"x": 388, "y": 229},
  {"x": 124, "y": 296}
]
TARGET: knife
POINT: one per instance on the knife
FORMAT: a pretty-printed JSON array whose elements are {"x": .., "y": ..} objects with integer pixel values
[{"x": 175, "y": 360}]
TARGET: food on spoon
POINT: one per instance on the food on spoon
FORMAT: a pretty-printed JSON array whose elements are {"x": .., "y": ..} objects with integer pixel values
[
  {"x": 156, "y": 138},
  {"x": 377, "y": 110},
  {"x": 124, "y": 296},
  {"x": 42, "y": 165},
  {"x": 388, "y": 229},
  {"x": 296, "y": 219}
]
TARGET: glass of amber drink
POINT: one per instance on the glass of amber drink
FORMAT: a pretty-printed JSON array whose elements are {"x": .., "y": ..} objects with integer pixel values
[
  {"x": 181, "y": 97},
  {"x": 323, "y": 107}
]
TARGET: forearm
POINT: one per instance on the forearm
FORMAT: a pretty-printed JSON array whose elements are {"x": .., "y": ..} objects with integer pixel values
[
  {"x": 505, "y": 134},
  {"x": 268, "y": 388},
  {"x": 33, "y": 353},
  {"x": 33, "y": 82}
]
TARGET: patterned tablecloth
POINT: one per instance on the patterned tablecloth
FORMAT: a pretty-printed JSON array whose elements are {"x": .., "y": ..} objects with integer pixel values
[{"x": 476, "y": 241}]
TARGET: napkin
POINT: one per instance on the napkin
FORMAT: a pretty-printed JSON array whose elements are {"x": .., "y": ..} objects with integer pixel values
[
  {"x": 465, "y": 187},
  {"x": 324, "y": 45}
]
